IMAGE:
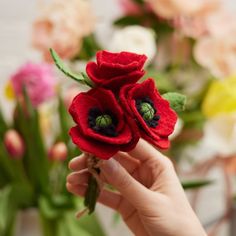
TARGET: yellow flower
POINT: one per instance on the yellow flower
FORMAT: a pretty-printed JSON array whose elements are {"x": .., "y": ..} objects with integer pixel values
[
  {"x": 9, "y": 93},
  {"x": 220, "y": 98}
]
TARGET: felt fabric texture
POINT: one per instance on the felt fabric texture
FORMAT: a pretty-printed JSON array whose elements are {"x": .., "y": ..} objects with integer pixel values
[
  {"x": 87, "y": 139},
  {"x": 113, "y": 70},
  {"x": 158, "y": 135}
]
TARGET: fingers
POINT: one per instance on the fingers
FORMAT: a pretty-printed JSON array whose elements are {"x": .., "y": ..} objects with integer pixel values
[
  {"x": 107, "y": 198},
  {"x": 80, "y": 177},
  {"x": 130, "y": 189},
  {"x": 129, "y": 163},
  {"x": 145, "y": 152},
  {"x": 78, "y": 163}
]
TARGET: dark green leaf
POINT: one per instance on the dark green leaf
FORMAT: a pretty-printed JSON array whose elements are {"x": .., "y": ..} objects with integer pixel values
[
  {"x": 140, "y": 2},
  {"x": 128, "y": 20},
  {"x": 192, "y": 184},
  {"x": 88, "y": 49}
]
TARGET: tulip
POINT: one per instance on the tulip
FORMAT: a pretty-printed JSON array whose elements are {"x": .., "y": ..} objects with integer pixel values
[
  {"x": 14, "y": 144},
  {"x": 58, "y": 152}
]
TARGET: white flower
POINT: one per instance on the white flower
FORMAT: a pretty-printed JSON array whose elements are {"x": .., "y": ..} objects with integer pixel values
[
  {"x": 136, "y": 39},
  {"x": 220, "y": 134},
  {"x": 219, "y": 138},
  {"x": 178, "y": 128}
]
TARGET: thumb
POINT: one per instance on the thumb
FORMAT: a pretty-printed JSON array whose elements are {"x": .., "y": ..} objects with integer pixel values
[{"x": 118, "y": 177}]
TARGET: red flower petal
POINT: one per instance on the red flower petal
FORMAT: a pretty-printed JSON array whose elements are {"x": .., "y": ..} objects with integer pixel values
[
  {"x": 124, "y": 98},
  {"x": 80, "y": 107},
  {"x": 114, "y": 70},
  {"x": 115, "y": 82},
  {"x": 158, "y": 136},
  {"x": 167, "y": 120},
  {"x": 108, "y": 101},
  {"x": 123, "y": 61},
  {"x": 99, "y": 149},
  {"x": 135, "y": 136},
  {"x": 162, "y": 142}
]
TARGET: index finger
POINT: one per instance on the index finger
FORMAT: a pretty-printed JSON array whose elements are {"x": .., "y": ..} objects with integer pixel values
[{"x": 144, "y": 151}]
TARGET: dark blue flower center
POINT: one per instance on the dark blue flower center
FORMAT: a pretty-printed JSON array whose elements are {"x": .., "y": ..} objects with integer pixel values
[{"x": 102, "y": 122}]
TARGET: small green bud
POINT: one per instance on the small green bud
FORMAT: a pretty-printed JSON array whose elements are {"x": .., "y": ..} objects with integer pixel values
[
  {"x": 147, "y": 111},
  {"x": 177, "y": 101},
  {"x": 103, "y": 121}
]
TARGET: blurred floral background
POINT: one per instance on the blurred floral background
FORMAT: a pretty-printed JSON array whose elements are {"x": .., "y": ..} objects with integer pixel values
[{"x": 191, "y": 46}]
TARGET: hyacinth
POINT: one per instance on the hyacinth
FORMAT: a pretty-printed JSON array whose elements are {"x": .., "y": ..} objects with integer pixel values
[{"x": 38, "y": 80}]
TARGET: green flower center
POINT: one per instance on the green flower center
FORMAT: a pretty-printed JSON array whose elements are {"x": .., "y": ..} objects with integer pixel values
[
  {"x": 147, "y": 111},
  {"x": 103, "y": 121}
]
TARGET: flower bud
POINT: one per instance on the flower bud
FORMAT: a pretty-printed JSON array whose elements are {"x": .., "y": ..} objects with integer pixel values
[
  {"x": 58, "y": 152},
  {"x": 14, "y": 144}
]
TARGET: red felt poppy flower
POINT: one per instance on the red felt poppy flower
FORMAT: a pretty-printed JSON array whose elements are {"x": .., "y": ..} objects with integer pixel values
[
  {"x": 102, "y": 128},
  {"x": 153, "y": 113},
  {"x": 114, "y": 70}
]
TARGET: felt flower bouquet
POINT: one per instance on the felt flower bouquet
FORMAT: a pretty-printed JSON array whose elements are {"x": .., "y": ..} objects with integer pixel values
[{"x": 118, "y": 110}]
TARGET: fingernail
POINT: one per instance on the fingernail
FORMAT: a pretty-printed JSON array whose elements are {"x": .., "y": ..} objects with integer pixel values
[{"x": 109, "y": 166}]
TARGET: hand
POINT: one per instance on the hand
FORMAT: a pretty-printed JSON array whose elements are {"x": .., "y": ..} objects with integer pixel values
[{"x": 150, "y": 197}]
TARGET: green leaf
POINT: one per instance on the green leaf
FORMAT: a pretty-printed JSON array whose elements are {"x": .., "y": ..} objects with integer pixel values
[
  {"x": 3, "y": 124},
  {"x": 69, "y": 226},
  {"x": 128, "y": 20},
  {"x": 161, "y": 80},
  {"x": 88, "y": 49},
  {"x": 91, "y": 224},
  {"x": 192, "y": 184},
  {"x": 77, "y": 77},
  {"x": 36, "y": 160},
  {"x": 177, "y": 101},
  {"x": 8, "y": 209},
  {"x": 140, "y": 2}
]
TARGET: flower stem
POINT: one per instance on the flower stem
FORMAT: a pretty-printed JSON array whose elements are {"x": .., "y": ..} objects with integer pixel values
[{"x": 94, "y": 187}]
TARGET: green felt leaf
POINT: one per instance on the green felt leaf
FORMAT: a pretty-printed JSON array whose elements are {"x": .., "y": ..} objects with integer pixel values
[
  {"x": 77, "y": 77},
  {"x": 177, "y": 101},
  {"x": 192, "y": 184}
]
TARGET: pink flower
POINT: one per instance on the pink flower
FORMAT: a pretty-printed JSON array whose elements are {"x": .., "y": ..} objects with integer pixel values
[
  {"x": 173, "y": 49},
  {"x": 62, "y": 26},
  {"x": 14, "y": 144},
  {"x": 217, "y": 50},
  {"x": 38, "y": 79},
  {"x": 173, "y": 8},
  {"x": 72, "y": 91},
  {"x": 129, "y": 7},
  {"x": 194, "y": 27}
]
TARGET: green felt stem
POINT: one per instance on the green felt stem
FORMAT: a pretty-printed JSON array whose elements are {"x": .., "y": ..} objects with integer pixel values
[
  {"x": 81, "y": 78},
  {"x": 91, "y": 194}
]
